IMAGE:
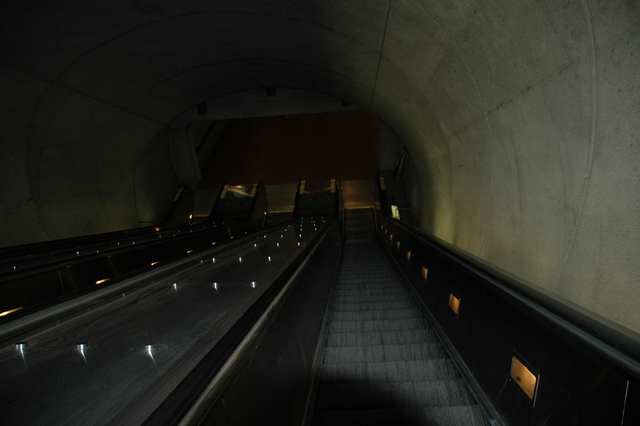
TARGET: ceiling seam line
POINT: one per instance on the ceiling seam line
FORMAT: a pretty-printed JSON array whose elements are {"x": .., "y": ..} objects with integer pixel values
[{"x": 384, "y": 36}]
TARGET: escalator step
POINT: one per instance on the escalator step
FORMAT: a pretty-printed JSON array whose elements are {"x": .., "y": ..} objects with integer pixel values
[
  {"x": 374, "y": 306},
  {"x": 467, "y": 415},
  {"x": 377, "y": 325},
  {"x": 358, "y": 396},
  {"x": 396, "y": 371},
  {"x": 394, "y": 297},
  {"x": 390, "y": 416},
  {"x": 372, "y": 291},
  {"x": 376, "y": 315},
  {"x": 377, "y": 353},
  {"x": 401, "y": 337}
]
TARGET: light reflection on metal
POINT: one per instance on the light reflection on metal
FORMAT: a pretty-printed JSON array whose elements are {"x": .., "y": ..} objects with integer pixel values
[
  {"x": 149, "y": 349},
  {"x": 214, "y": 243},
  {"x": 157, "y": 229},
  {"x": 240, "y": 259},
  {"x": 189, "y": 251},
  {"x": 213, "y": 260},
  {"x": 409, "y": 256},
  {"x": 239, "y": 189},
  {"x": 20, "y": 347},
  {"x": 190, "y": 216},
  {"x": 224, "y": 192},
  {"x": 255, "y": 245},
  {"x": 302, "y": 185},
  {"x": 425, "y": 273},
  {"x": 269, "y": 258},
  {"x": 10, "y": 311},
  {"x": 101, "y": 281},
  {"x": 398, "y": 244},
  {"x": 154, "y": 263},
  {"x": 333, "y": 186},
  {"x": 82, "y": 347},
  {"x": 254, "y": 190},
  {"x": 215, "y": 286},
  {"x": 524, "y": 377},
  {"x": 298, "y": 243},
  {"x": 175, "y": 287},
  {"x": 253, "y": 284},
  {"x": 277, "y": 244}
]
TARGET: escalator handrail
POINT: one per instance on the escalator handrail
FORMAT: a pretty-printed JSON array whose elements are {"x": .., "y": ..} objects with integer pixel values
[
  {"x": 201, "y": 389},
  {"x": 617, "y": 344}
]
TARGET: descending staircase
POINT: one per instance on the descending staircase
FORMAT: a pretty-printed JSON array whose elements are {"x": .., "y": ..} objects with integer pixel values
[{"x": 382, "y": 363}]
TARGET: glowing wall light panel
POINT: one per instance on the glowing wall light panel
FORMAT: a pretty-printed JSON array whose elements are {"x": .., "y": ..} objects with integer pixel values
[
  {"x": 524, "y": 377},
  {"x": 425, "y": 273},
  {"x": 10, "y": 311},
  {"x": 454, "y": 303}
]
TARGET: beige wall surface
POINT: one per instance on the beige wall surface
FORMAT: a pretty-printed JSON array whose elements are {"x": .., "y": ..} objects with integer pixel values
[{"x": 520, "y": 117}]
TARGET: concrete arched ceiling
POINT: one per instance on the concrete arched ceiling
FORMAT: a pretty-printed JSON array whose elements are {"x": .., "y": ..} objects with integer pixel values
[{"x": 520, "y": 117}]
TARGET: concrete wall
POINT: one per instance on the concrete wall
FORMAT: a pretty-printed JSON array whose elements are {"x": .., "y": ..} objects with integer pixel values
[{"x": 520, "y": 117}]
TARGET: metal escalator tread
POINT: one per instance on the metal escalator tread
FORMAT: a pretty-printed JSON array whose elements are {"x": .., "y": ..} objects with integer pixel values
[{"x": 382, "y": 364}]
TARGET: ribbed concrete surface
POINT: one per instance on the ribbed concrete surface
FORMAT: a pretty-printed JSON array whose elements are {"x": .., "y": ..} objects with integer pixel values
[{"x": 382, "y": 364}]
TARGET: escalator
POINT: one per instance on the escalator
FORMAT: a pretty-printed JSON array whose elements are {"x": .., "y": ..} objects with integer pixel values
[
  {"x": 294, "y": 325},
  {"x": 382, "y": 362}
]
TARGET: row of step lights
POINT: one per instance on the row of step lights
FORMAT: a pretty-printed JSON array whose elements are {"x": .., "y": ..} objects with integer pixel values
[
  {"x": 149, "y": 348},
  {"x": 103, "y": 280},
  {"x": 522, "y": 374},
  {"x": 85, "y": 252}
]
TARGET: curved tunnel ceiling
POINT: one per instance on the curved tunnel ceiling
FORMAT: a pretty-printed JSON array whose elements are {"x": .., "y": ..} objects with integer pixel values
[{"x": 520, "y": 117}]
